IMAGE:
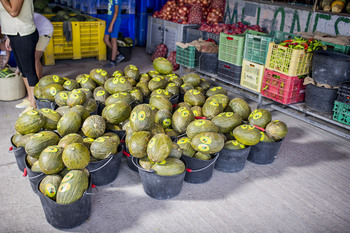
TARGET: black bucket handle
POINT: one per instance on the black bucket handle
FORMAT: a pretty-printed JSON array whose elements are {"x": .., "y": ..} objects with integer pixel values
[
  {"x": 216, "y": 157},
  {"x": 37, "y": 176},
  {"x": 111, "y": 157},
  {"x": 92, "y": 193},
  {"x": 139, "y": 167},
  {"x": 11, "y": 150}
]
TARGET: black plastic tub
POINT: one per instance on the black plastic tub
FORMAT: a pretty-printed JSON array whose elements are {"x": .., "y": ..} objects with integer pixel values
[
  {"x": 20, "y": 155},
  {"x": 320, "y": 99},
  {"x": 199, "y": 171},
  {"x": 34, "y": 177},
  {"x": 264, "y": 152},
  {"x": 45, "y": 103},
  {"x": 231, "y": 161}
]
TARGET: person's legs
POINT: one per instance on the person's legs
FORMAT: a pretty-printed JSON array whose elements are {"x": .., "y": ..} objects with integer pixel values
[
  {"x": 115, "y": 51},
  {"x": 107, "y": 41},
  {"x": 38, "y": 65}
]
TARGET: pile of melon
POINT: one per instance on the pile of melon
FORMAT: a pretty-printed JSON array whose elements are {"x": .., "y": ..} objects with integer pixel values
[{"x": 93, "y": 108}]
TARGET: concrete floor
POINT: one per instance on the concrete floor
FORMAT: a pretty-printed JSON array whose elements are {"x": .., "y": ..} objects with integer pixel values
[{"x": 306, "y": 189}]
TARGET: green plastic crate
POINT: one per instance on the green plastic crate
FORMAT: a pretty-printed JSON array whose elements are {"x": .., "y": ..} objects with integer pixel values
[
  {"x": 231, "y": 47},
  {"x": 187, "y": 57},
  {"x": 256, "y": 47},
  {"x": 336, "y": 47},
  {"x": 280, "y": 36},
  {"x": 341, "y": 112}
]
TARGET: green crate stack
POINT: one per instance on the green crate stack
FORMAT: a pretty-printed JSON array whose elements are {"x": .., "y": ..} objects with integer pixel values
[
  {"x": 187, "y": 57},
  {"x": 256, "y": 47},
  {"x": 336, "y": 47},
  {"x": 280, "y": 36},
  {"x": 341, "y": 112}
]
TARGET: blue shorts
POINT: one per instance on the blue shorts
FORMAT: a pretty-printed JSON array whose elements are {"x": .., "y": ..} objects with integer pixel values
[{"x": 116, "y": 27}]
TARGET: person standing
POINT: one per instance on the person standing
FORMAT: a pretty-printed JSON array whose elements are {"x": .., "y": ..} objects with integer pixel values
[
  {"x": 45, "y": 29},
  {"x": 112, "y": 30},
  {"x": 17, "y": 22}
]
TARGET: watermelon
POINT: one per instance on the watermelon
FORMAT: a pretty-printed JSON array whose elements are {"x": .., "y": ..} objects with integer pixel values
[
  {"x": 50, "y": 160},
  {"x": 94, "y": 126},
  {"x": 49, "y": 185},
  {"x": 208, "y": 142},
  {"x": 103, "y": 147},
  {"x": 72, "y": 187},
  {"x": 159, "y": 147},
  {"x": 247, "y": 135},
  {"x": 260, "y": 117},
  {"x": 200, "y": 126},
  {"x": 69, "y": 139},
  {"x": 39, "y": 141},
  {"x": 138, "y": 142},
  {"x": 76, "y": 156},
  {"x": 162, "y": 65}
]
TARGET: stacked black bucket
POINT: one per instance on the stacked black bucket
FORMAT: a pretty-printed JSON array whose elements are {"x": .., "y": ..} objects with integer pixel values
[{"x": 330, "y": 68}]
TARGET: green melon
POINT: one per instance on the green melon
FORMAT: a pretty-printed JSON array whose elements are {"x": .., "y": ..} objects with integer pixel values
[
  {"x": 116, "y": 113},
  {"x": 171, "y": 133},
  {"x": 197, "y": 111},
  {"x": 100, "y": 94},
  {"x": 185, "y": 145},
  {"x": 176, "y": 80},
  {"x": 81, "y": 76},
  {"x": 132, "y": 72},
  {"x": 216, "y": 90},
  {"x": 76, "y": 97},
  {"x": 138, "y": 142},
  {"x": 145, "y": 163},
  {"x": 113, "y": 127},
  {"x": 50, "y": 79},
  {"x": 172, "y": 89},
  {"x": 202, "y": 156},
  {"x": 234, "y": 145},
  {"x": 157, "y": 82},
  {"x": 61, "y": 98},
  {"x": 39, "y": 141},
  {"x": 30, "y": 160},
  {"x": 181, "y": 119},
  {"x": 241, "y": 107},
  {"x": 35, "y": 167},
  {"x": 227, "y": 121},
  {"x": 63, "y": 110},
  {"x": 70, "y": 85},
  {"x": 117, "y": 73},
  {"x": 186, "y": 87},
  {"x": 181, "y": 105},
  {"x": 194, "y": 98},
  {"x": 114, "y": 136},
  {"x": 82, "y": 111},
  {"x": 265, "y": 138},
  {"x": 204, "y": 84},
  {"x": 162, "y": 65},
  {"x": 220, "y": 98},
  {"x": 163, "y": 118},
  {"x": 175, "y": 152},
  {"x": 212, "y": 108},
  {"x": 50, "y": 160},
  {"x": 160, "y": 102},
  {"x": 153, "y": 73},
  {"x": 201, "y": 90},
  {"x": 142, "y": 118},
  {"x": 162, "y": 92},
  {"x": 49, "y": 185},
  {"x": 51, "y": 118},
  {"x": 76, "y": 156},
  {"x": 87, "y": 143},
  {"x": 88, "y": 83},
  {"x": 121, "y": 96},
  {"x": 200, "y": 126},
  {"x": 247, "y": 135},
  {"x": 208, "y": 142},
  {"x": 69, "y": 123},
  {"x": 37, "y": 92},
  {"x": 99, "y": 76},
  {"x": 276, "y": 130},
  {"x": 69, "y": 139},
  {"x": 94, "y": 126},
  {"x": 145, "y": 77},
  {"x": 90, "y": 105},
  {"x": 115, "y": 85},
  {"x": 260, "y": 117},
  {"x": 87, "y": 92},
  {"x": 30, "y": 122},
  {"x": 170, "y": 167},
  {"x": 72, "y": 187},
  {"x": 157, "y": 128},
  {"x": 143, "y": 86},
  {"x": 16, "y": 138},
  {"x": 192, "y": 78},
  {"x": 103, "y": 147},
  {"x": 24, "y": 139},
  {"x": 131, "y": 81},
  {"x": 49, "y": 92},
  {"x": 137, "y": 95},
  {"x": 159, "y": 147}
]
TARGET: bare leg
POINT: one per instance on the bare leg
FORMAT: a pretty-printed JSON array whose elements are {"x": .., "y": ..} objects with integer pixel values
[
  {"x": 38, "y": 65},
  {"x": 27, "y": 88},
  {"x": 114, "y": 49},
  {"x": 107, "y": 41},
  {"x": 31, "y": 96}
]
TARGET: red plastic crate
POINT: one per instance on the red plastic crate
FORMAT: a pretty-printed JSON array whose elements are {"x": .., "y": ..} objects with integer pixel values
[{"x": 283, "y": 88}]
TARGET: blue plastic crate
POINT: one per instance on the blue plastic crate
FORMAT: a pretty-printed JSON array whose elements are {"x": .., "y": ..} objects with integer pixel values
[
  {"x": 127, "y": 26},
  {"x": 141, "y": 29},
  {"x": 128, "y": 6}
]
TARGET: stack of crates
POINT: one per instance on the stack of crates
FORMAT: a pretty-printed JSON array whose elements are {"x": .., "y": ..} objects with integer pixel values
[
  {"x": 342, "y": 104},
  {"x": 285, "y": 71},
  {"x": 187, "y": 57},
  {"x": 336, "y": 47},
  {"x": 231, "y": 48},
  {"x": 255, "y": 53}
]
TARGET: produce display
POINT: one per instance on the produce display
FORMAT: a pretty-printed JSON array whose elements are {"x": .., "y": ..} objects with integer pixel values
[
  {"x": 231, "y": 29},
  {"x": 337, "y": 6}
]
